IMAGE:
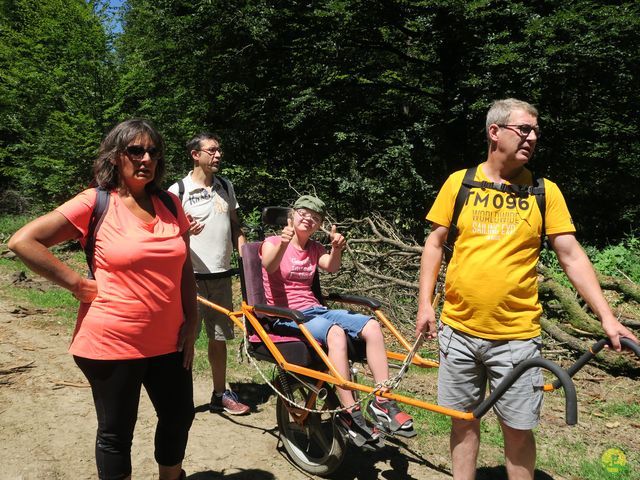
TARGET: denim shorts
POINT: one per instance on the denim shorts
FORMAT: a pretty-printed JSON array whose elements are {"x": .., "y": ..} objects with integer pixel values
[
  {"x": 468, "y": 363},
  {"x": 320, "y": 319}
]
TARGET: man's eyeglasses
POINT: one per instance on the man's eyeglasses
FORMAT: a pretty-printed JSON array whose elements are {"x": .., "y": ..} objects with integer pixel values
[
  {"x": 523, "y": 129},
  {"x": 137, "y": 152},
  {"x": 212, "y": 151},
  {"x": 306, "y": 215}
]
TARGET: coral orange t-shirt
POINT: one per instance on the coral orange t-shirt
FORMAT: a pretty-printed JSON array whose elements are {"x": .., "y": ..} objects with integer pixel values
[{"x": 138, "y": 266}]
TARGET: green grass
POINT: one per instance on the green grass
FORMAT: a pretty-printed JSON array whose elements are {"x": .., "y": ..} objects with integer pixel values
[
  {"x": 596, "y": 470},
  {"x": 11, "y": 266},
  {"x": 430, "y": 423},
  {"x": 490, "y": 432},
  {"x": 10, "y": 223},
  {"x": 582, "y": 458},
  {"x": 626, "y": 410},
  {"x": 57, "y": 301}
]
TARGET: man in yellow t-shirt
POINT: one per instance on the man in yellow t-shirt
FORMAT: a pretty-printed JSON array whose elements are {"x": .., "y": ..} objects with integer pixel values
[{"x": 491, "y": 317}]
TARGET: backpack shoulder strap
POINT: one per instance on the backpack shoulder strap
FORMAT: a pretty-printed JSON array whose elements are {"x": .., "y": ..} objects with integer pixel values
[
  {"x": 168, "y": 202},
  {"x": 463, "y": 195},
  {"x": 180, "y": 189},
  {"x": 541, "y": 200},
  {"x": 468, "y": 182},
  {"x": 97, "y": 216},
  {"x": 225, "y": 184}
]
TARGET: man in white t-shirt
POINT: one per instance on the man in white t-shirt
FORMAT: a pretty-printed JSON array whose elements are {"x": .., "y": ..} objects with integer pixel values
[{"x": 211, "y": 206}]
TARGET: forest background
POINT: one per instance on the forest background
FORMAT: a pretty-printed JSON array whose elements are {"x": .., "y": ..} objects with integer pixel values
[
  {"x": 368, "y": 104},
  {"x": 371, "y": 104}
]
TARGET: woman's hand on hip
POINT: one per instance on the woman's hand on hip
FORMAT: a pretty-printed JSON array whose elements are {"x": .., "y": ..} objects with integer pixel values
[{"x": 86, "y": 290}]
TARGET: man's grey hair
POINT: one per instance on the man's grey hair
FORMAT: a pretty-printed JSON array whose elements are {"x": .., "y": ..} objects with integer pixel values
[{"x": 501, "y": 110}]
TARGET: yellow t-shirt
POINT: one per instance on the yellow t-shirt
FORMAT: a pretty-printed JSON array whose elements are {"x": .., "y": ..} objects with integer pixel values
[{"x": 491, "y": 288}]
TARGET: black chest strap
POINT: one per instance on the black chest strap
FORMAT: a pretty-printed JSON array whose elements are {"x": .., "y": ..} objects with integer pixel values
[{"x": 469, "y": 182}]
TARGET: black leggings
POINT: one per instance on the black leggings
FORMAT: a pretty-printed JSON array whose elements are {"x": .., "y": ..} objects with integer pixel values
[{"x": 116, "y": 393}]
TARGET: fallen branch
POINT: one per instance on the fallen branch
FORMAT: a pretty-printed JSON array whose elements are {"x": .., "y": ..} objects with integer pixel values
[
  {"x": 610, "y": 360},
  {"x": 64, "y": 383},
  {"x": 575, "y": 314},
  {"x": 380, "y": 262},
  {"x": 17, "y": 368},
  {"x": 622, "y": 285}
]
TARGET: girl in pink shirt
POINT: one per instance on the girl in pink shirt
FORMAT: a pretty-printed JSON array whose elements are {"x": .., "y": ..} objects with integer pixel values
[{"x": 289, "y": 262}]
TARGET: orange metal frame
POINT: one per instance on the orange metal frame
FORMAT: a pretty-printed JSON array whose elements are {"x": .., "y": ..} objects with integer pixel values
[{"x": 332, "y": 376}]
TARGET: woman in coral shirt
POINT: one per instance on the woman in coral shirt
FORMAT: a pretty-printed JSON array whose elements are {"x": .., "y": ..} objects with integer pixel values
[{"x": 137, "y": 320}]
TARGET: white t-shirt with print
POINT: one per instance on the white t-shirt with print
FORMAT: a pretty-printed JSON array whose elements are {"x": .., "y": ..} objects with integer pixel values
[{"x": 211, "y": 249}]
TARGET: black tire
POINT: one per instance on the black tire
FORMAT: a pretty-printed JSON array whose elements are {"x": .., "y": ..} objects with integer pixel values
[{"x": 316, "y": 446}]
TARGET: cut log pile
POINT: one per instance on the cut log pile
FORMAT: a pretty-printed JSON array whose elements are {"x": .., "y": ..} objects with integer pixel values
[{"x": 381, "y": 263}]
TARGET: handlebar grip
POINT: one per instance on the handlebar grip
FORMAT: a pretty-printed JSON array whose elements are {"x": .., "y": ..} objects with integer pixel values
[{"x": 593, "y": 351}]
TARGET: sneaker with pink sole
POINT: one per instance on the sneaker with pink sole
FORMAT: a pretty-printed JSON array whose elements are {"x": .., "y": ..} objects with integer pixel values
[{"x": 228, "y": 402}]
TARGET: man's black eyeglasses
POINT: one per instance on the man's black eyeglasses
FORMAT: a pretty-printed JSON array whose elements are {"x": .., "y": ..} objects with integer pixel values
[
  {"x": 138, "y": 151},
  {"x": 212, "y": 151},
  {"x": 523, "y": 129}
]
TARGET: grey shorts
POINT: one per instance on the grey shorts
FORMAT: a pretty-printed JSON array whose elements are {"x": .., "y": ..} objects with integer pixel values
[
  {"x": 217, "y": 325},
  {"x": 468, "y": 363}
]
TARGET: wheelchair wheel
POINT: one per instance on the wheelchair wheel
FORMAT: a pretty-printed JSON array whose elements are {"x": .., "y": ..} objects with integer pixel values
[{"x": 314, "y": 444}]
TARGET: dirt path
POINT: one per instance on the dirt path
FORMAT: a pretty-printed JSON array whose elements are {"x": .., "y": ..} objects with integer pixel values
[{"x": 47, "y": 423}]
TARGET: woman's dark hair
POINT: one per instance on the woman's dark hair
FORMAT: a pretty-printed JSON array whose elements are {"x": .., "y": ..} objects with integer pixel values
[{"x": 105, "y": 171}]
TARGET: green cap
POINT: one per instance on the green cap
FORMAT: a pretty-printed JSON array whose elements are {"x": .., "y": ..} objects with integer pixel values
[{"x": 311, "y": 203}]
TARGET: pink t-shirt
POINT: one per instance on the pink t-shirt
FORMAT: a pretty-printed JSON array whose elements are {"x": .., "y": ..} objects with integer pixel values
[
  {"x": 290, "y": 285},
  {"x": 138, "y": 266}
]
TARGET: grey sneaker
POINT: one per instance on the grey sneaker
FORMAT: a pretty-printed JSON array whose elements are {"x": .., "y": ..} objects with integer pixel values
[{"x": 229, "y": 403}]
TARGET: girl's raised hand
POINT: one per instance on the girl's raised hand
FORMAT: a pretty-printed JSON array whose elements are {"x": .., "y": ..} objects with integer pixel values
[
  {"x": 287, "y": 232},
  {"x": 338, "y": 242}
]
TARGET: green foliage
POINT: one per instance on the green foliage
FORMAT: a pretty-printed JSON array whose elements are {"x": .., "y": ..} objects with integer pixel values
[
  {"x": 369, "y": 104},
  {"x": 56, "y": 84},
  {"x": 9, "y": 224},
  {"x": 374, "y": 104},
  {"x": 620, "y": 259}
]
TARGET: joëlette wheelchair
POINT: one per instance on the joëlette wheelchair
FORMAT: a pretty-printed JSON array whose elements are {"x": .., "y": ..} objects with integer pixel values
[{"x": 305, "y": 378}]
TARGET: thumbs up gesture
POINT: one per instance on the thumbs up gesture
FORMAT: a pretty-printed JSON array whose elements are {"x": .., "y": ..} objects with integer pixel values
[
  {"x": 287, "y": 232},
  {"x": 338, "y": 242}
]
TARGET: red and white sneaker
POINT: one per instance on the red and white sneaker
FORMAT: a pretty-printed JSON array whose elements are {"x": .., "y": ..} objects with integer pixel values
[
  {"x": 391, "y": 419},
  {"x": 357, "y": 430},
  {"x": 228, "y": 402}
]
